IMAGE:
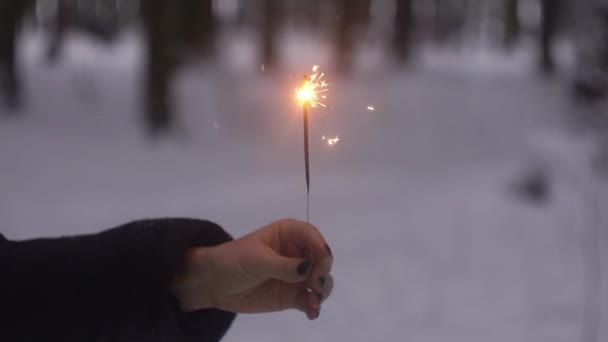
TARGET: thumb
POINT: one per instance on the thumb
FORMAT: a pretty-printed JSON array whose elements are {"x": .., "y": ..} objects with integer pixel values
[{"x": 291, "y": 270}]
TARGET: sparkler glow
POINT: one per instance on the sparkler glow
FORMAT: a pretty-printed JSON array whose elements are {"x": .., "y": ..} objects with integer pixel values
[
  {"x": 371, "y": 108},
  {"x": 311, "y": 89},
  {"x": 308, "y": 95}
]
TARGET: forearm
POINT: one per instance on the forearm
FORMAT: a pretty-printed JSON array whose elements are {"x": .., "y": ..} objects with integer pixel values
[
  {"x": 102, "y": 279},
  {"x": 132, "y": 261}
]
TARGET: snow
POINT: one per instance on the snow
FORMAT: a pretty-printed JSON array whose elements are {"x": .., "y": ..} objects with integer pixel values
[{"x": 417, "y": 200}]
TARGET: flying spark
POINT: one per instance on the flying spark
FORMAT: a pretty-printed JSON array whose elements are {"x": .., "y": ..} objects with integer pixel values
[{"x": 333, "y": 141}]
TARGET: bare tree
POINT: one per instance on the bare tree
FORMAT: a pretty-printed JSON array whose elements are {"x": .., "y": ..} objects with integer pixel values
[
  {"x": 11, "y": 15},
  {"x": 511, "y": 22},
  {"x": 351, "y": 14},
  {"x": 402, "y": 35},
  {"x": 158, "y": 64},
  {"x": 550, "y": 11},
  {"x": 170, "y": 25},
  {"x": 270, "y": 27},
  {"x": 199, "y": 24}
]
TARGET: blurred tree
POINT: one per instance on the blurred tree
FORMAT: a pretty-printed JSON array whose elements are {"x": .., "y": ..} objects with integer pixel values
[
  {"x": 402, "y": 35},
  {"x": 59, "y": 28},
  {"x": 314, "y": 12},
  {"x": 591, "y": 83},
  {"x": 344, "y": 43},
  {"x": 550, "y": 11},
  {"x": 169, "y": 27},
  {"x": 511, "y": 22},
  {"x": 199, "y": 24},
  {"x": 158, "y": 65},
  {"x": 270, "y": 28},
  {"x": 450, "y": 19},
  {"x": 351, "y": 14},
  {"x": 11, "y": 14}
]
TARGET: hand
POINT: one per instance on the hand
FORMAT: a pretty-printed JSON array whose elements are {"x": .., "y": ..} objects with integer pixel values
[{"x": 271, "y": 269}]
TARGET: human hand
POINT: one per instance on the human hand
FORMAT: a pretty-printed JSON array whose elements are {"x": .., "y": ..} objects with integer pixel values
[{"x": 271, "y": 269}]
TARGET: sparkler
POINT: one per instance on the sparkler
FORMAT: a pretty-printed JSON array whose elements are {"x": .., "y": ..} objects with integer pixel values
[{"x": 309, "y": 94}]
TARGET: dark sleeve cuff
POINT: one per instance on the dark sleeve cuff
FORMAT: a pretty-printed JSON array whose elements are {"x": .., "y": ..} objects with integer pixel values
[{"x": 208, "y": 325}]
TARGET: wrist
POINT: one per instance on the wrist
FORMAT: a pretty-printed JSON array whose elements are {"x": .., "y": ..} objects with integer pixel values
[{"x": 191, "y": 285}]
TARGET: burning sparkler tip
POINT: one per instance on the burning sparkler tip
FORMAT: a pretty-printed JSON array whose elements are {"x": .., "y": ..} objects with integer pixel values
[{"x": 312, "y": 86}]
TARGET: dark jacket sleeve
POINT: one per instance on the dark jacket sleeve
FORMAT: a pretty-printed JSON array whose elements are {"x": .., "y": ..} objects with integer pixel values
[{"x": 111, "y": 286}]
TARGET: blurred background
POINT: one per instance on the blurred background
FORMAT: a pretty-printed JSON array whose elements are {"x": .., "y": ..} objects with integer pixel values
[{"x": 458, "y": 168}]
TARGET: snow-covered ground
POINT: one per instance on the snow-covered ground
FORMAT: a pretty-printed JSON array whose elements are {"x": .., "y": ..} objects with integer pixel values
[{"x": 432, "y": 242}]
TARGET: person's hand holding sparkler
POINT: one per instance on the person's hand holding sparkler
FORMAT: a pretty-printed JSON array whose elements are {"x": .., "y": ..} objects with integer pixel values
[{"x": 285, "y": 265}]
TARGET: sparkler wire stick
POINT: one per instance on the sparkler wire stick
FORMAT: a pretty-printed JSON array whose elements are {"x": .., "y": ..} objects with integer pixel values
[
  {"x": 308, "y": 96},
  {"x": 306, "y": 160}
]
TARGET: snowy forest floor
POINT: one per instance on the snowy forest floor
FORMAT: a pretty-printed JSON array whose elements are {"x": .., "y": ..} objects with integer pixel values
[{"x": 418, "y": 200}]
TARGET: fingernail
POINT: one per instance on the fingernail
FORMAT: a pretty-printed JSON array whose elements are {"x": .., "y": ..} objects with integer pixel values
[
  {"x": 322, "y": 280},
  {"x": 319, "y": 297},
  {"x": 317, "y": 313},
  {"x": 303, "y": 267},
  {"x": 328, "y": 249}
]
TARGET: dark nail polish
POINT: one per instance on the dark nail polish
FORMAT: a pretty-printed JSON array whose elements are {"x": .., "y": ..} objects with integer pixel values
[
  {"x": 328, "y": 249},
  {"x": 303, "y": 267},
  {"x": 322, "y": 280},
  {"x": 318, "y": 312},
  {"x": 319, "y": 297}
]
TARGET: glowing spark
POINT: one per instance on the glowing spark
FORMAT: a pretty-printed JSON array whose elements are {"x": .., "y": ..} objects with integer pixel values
[
  {"x": 333, "y": 141},
  {"x": 371, "y": 108},
  {"x": 312, "y": 88}
]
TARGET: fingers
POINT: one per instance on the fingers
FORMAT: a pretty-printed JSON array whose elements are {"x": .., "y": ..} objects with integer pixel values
[
  {"x": 310, "y": 302},
  {"x": 297, "y": 254},
  {"x": 320, "y": 275},
  {"x": 305, "y": 302},
  {"x": 329, "y": 287},
  {"x": 305, "y": 236},
  {"x": 276, "y": 266},
  {"x": 318, "y": 297}
]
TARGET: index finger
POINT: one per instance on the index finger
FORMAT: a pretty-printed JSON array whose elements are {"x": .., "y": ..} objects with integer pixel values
[{"x": 306, "y": 236}]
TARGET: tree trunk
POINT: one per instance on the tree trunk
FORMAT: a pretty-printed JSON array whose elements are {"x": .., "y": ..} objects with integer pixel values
[
  {"x": 511, "y": 24},
  {"x": 314, "y": 10},
  {"x": 269, "y": 33},
  {"x": 402, "y": 35},
  {"x": 198, "y": 24},
  {"x": 344, "y": 39},
  {"x": 550, "y": 12},
  {"x": 158, "y": 66},
  {"x": 57, "y": 35},
  {"x": 11, "y": 15}
]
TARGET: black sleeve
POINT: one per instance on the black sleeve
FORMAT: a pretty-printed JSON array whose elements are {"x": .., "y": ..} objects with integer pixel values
[{"x": 111, "y": 286}]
